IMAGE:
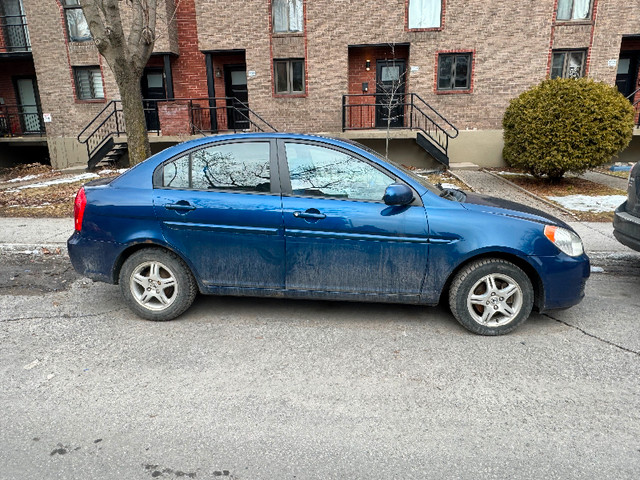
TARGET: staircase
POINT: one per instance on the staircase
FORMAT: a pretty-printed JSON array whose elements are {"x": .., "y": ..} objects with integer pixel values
[
  {"x": 206, "y": 116},
  {"x": 433, "y": 131}
]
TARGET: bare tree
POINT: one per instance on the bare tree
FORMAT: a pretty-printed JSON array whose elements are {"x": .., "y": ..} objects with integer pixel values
[
  {"x": 126, "y": 51},
  {"x": 393, "y": 103}
]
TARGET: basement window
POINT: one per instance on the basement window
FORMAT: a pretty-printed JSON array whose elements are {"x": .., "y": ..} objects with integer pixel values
[
  {"x": 568, "y": 63},
  {"x": 88, "y": 83},
  {"x": 77, "y": 26},
  {"x": 289, "y": 77}
]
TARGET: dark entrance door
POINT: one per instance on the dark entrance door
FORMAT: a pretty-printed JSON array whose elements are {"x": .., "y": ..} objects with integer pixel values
[
  {"x": 235, "y": 84},
  {"x": 627, "y": 77},
  {"x": 390, "y": 87},
  {"x": 29, "y": 104},
  {"x": 153, "y": 89}
]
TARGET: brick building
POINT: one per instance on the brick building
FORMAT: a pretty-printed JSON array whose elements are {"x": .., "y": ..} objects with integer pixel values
[{"x": 420, "y": 67}]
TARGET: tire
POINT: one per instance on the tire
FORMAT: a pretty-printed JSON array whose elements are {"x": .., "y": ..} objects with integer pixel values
[
  {"x": 491, "y": 297},
  {"x": 156, "y": 284}
]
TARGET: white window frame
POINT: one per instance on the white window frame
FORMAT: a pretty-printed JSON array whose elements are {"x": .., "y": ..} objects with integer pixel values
[
  {"x": 424, "y": 14},
  {"x": 293, "y": 11},
  {"x": 573, "y": 11},
  {"x": 72, "y": 6}
]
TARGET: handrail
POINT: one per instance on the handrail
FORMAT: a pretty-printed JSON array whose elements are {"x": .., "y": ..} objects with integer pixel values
[
  {"x": 108, "y": 105},
  {"x": 412, "y": 109},
  {"x": 94, "y": 135},
  {"x": 438, "y": 114},
  {"x": 405, "y": 104}
]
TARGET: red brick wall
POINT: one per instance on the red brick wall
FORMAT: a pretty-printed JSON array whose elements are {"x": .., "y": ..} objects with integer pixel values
[
  {"x": 174, "y": 118},
  {"x": 189, "y": 68}
]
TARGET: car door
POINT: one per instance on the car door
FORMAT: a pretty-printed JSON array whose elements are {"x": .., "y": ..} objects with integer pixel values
[
  {"x": 340, "y": 236},
  {"x": 220, "y": 207}
]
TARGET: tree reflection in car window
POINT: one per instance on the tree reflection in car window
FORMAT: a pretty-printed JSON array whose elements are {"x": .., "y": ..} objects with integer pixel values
[
  {"x": 236, "y": 166},
  {"x": 319, "y": 171}
]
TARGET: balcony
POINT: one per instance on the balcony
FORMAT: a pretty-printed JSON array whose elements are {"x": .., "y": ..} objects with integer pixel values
[
  {"x": 14, "y": 35},
  {"x": 21, "y": 120}
]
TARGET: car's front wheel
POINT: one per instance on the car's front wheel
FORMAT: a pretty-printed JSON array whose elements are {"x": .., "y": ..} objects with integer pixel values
[
  {"x": 156, "y": 284},
  {"x": 491, "y": 296}
]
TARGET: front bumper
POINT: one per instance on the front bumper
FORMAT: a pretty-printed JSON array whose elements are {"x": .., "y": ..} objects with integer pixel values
[
  {"x": 564, "y": 279},
  {"x": 626, "y": 227}
]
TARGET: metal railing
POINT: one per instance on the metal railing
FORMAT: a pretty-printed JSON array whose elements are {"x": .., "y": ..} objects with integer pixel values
[
  {"x": 403, "y": 111},
  {"x": 636, "y": 105},
  {"x": 14, "y": 34},
  {"x": 205, "y": 116},
  {"x": 20, "y": 120}
]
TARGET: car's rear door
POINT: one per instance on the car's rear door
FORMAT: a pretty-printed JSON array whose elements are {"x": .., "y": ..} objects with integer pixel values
[
  {"x": 220, "y": 207},
  {"x": 340, "y": 235}
]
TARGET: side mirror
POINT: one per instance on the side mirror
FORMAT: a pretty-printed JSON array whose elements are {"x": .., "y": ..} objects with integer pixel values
[{"x": 398, "y": 194}]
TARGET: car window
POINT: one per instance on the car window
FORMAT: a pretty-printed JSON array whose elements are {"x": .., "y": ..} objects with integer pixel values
[
  {"x": 233, "y": 166},
  {"x": 324, "y": 172}
]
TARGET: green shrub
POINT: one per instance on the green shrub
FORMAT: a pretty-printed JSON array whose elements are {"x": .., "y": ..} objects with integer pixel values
[{"x": 566, "y": 125}]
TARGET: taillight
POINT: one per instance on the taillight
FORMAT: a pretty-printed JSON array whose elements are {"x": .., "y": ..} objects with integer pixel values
[{"x": 78, "y": 208}]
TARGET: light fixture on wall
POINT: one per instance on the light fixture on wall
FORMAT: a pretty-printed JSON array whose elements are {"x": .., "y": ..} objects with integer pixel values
[
  {"x": 367, "y": 65},
  {"x": 218, "y": 72}
]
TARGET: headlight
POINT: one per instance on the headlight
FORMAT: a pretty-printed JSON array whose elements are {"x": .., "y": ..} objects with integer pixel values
[{"x": 567, "y": 241}]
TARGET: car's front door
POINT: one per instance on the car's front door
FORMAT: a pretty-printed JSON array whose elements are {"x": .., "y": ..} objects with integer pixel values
[
  {"x": 221, "y": 208},
  {"x": 340, "y": 236}
]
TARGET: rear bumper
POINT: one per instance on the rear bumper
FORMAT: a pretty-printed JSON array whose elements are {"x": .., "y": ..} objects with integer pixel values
[
  {"x": 626, "y": 227},
  {"x": 93, "y": 259}
]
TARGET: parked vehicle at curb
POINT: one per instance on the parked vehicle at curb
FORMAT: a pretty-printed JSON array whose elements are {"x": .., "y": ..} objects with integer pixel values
[
  {"x": 626, "y": 219},
  {"x": 300, "y": 216}
]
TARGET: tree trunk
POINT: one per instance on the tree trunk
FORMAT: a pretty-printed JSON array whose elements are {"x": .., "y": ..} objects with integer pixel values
[{"x": 134, "y": 118}]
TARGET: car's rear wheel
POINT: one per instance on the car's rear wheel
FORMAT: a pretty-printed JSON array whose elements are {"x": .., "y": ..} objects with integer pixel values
[
  {"x": 156, "y": 284},
  {"x": 491, "y": 296}
]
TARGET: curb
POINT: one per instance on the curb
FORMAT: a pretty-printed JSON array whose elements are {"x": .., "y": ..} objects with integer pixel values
[{"x": 540, "y": 199}]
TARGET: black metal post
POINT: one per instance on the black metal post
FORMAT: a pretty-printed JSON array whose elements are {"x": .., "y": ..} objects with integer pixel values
[{"x": 211, "y": 92}]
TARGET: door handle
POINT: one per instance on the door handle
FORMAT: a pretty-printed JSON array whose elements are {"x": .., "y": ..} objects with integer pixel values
[
  {"x": 181, "y": 206},
  {"x": 315, "y": 216}
]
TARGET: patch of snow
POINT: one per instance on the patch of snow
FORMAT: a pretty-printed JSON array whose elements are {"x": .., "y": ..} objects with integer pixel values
[
  {"x": 57, "y": 181},
  {"x": 24, "y": 179},
  {"x": 597, "y": 270},
  {"x": 108, "y": 171},
  {"x": 450, "y": 185},
  {"x": 588, "y": 203},
  {"x": 515, "y": 174}
]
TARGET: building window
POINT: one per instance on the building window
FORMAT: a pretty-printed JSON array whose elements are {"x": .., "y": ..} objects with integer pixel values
[
  {"x": 289, "y": 76},
  {"x": 88, "y": 83},
  {"x": 454, "y": 71},
  {"x": 574, "y": 10},
  {"x": 77, "y": 25},
  {"x": 287, "y": 16},
  {"x": 425, "y": 14},
  {"x": 568, "y": 64}
]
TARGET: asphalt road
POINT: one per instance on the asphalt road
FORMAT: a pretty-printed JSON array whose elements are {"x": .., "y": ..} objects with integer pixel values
[{"x": 274, "y": 389}]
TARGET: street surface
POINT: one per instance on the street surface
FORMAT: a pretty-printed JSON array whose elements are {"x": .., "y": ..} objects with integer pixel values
[{"x": 249, "y": 388}]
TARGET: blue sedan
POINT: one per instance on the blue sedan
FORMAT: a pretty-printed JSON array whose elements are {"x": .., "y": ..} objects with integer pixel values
[{"x": 300, "y": 216}]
